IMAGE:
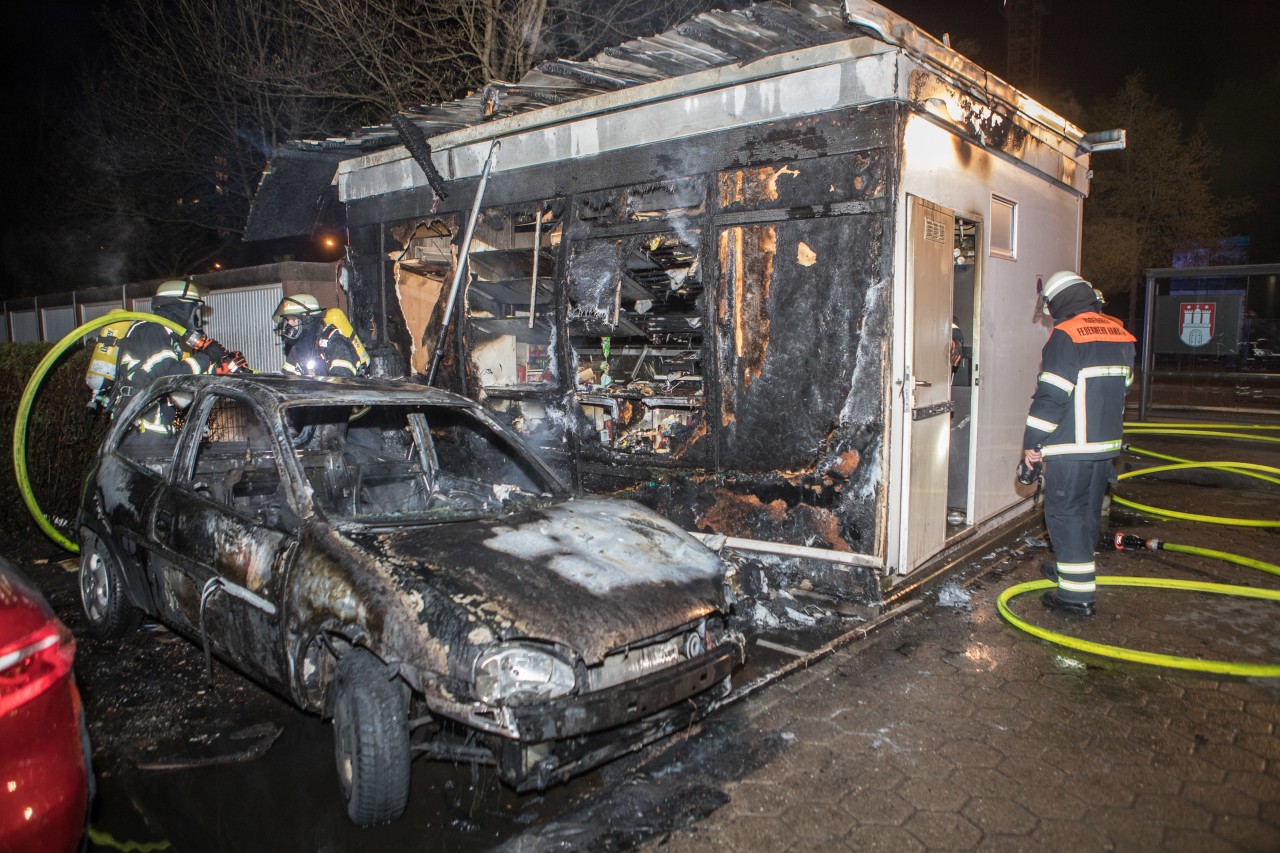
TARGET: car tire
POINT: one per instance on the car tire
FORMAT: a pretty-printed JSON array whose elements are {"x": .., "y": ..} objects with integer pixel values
[
  {"x": 106, "y": 608},
  {"x": 371, "y": 738}
]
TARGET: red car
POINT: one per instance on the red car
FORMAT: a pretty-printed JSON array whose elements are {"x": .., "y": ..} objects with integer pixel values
[{"x": 44, "y": 756}]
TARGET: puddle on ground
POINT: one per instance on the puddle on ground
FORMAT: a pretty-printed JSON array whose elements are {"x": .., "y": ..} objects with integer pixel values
[{"x": 288, "y": 800}]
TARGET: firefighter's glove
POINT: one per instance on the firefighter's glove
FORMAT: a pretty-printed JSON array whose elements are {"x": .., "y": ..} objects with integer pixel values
[
  {"x": 232, "y": 362},
  {"x": 216, "y": 352}
]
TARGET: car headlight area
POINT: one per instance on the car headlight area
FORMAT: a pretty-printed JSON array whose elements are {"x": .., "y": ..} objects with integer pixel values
[{"x": 515, "y": 674}]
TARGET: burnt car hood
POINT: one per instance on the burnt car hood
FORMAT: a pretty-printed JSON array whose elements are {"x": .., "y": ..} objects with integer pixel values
[{"x": 593, "y": 575}]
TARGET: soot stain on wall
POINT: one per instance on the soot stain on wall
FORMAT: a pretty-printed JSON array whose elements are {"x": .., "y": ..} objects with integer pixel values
[{"x": 783, "y": 317}]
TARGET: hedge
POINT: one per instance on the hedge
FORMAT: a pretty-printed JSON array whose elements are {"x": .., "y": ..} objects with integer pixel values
[{"x": 62, "y": 436}]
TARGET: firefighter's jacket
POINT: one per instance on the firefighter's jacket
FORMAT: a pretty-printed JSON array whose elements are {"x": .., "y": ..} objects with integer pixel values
[
  {"x": 1086, "y": 368},
  {"x": 321, "y": 350},
  {"x": 148, "y": 351}
]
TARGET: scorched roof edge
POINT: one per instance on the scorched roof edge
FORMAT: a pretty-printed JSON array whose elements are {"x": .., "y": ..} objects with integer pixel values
[{"x": 708, "y": 40}]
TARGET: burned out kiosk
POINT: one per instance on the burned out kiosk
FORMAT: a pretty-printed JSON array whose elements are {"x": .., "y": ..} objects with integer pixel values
[{"x": 716, "y": 270}]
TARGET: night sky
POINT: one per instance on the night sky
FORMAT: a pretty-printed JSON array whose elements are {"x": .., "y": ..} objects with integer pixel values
[{"x": 1186, "y": 49}]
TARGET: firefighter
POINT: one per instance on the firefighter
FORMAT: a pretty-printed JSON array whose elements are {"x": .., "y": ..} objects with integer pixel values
[
  {"x": 149, "y": 350},
  {"x": 317, "y": 342},
  {"x": 1075, "y": 426}
]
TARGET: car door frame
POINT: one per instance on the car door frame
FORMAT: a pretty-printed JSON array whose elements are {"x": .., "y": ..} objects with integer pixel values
[
  {"x": 127, "y": 523},
  {"x": 235, "y": 615}
]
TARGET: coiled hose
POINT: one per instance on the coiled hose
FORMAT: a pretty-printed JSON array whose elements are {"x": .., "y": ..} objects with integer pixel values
[
  {"x": 1123, "y": 541},
  {"x": 28, "y": 398}
]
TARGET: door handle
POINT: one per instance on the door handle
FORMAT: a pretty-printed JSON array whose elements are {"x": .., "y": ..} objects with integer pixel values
[
  {"x": 164, "y": 522},
  {"x": 923, "y": 383}
]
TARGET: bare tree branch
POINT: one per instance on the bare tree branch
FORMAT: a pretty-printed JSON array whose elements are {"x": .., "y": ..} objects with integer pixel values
[{"x": 195, "y": 94}]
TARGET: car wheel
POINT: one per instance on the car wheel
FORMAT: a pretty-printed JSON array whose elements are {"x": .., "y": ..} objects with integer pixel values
[
  {"x": 109, "y": 612},
  {"x": 371, "y": 738}
]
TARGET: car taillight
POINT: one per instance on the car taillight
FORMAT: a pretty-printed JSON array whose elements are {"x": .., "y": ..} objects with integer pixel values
[{"x": 34, "y": 664}]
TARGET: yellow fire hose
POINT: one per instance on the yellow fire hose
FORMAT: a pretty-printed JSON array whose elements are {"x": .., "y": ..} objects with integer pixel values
[
  {"x": 28, "y": 398},
  {"x": 1219, "y": 667},
  {"x": 1118, "y": 652},
  {"x": 1260, "y": 472}
]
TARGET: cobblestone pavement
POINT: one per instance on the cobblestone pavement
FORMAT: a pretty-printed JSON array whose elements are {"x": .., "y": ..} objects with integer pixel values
[{"x": 952, "y": 730}]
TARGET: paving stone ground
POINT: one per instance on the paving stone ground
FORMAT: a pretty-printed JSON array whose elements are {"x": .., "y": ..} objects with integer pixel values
[{"x": 952, "y": 730}]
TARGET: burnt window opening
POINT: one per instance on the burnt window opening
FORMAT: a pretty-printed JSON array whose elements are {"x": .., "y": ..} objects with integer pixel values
[
  {"x": 510, "y": 297},
  {"x": 683, "y": 198},
  {"x": 427, "y": 248},
  {"x": 636, "y": 309},
  {"x": 599, "y": 208},
  {"x": 151, "y": 448},
  {"x": 422, "y": 274},
  {"x": 235, "y": 463},
  {"x": 410, "y": 464}
]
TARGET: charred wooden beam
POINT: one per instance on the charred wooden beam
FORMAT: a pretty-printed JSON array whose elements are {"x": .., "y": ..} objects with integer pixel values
[{"x": 587, "y": 75}]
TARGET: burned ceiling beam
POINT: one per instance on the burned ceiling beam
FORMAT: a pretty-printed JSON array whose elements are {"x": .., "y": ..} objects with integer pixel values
[
  {"x": 741, "y": 27},
  {"x": 586, "y": 75},
  {"x": 420, "y": 149},
  {"x": 728, "y": 44},
  {"x": 798, "y": 28},
  {"x": 665, "y": 65},
  {"x": 537, "y": 94},
  {"x": 694, "y": 51}
]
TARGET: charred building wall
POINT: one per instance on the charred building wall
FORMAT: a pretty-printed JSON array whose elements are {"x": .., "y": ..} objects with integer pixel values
[{"x": 708, "y": 327}]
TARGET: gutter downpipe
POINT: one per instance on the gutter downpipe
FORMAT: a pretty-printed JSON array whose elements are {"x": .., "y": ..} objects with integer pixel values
[{"x": 465, "y": 248}]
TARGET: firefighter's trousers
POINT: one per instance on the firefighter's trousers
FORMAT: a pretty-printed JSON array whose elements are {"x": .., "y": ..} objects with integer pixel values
[{"x": 1074, "y": 490}]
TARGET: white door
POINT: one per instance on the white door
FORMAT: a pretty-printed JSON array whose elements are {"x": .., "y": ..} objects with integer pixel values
[{"x": 927, "y": 383}]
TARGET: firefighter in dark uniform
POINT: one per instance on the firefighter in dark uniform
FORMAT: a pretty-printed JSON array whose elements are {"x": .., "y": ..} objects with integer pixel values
[
  {"x": 312, "y": 346},
  {"x": 1075, "y": 426},
  {"x": 149, "y": 350}
]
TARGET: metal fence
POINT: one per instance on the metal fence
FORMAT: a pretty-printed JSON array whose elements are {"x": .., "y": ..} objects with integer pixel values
[
  {"x": 239, "y": 317},
  {"x": 1211, "y": 340}
]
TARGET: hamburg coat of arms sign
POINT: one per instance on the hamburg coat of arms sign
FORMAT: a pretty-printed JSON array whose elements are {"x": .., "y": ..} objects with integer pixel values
[{"x": 1195, "y": 323}]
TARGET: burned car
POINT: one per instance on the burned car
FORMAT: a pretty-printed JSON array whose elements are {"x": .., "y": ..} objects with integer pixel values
[{"x": 388, "y": 555}]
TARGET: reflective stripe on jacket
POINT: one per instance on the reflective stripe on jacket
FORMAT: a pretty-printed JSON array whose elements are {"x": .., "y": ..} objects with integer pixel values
[
  {"x": 322, "y": 352},
  {"x": 1077, "y": 410},
  {"x": 148, "y": 351}
]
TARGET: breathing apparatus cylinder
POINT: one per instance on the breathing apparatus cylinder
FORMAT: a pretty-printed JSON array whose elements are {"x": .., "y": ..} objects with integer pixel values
[
  {"x": 104, "y": 360},
  {"x": 337, "y": 318}
]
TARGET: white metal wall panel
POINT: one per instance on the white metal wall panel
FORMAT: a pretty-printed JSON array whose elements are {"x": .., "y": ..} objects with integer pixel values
[
  {"x": 94, "y": 310},
  {"x": 143, "y": 305},
  {"x": 1011, "y": 328},
  {"x": 58, "y": 322},
  {"x": 26, "y": 327},
  {"x": 240, "y": 319}
]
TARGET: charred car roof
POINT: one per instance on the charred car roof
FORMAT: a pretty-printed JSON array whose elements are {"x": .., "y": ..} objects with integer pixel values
[{"x": 273, "y": 389}]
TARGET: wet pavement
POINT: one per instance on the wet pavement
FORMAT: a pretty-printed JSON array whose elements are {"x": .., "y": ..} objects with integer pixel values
[
  {"x": 941, "y": 728},
  {"x": 951, "y": 730}
]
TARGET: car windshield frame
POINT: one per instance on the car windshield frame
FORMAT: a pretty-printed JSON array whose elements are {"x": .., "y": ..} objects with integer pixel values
[{"x": 392, "y": 462}]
